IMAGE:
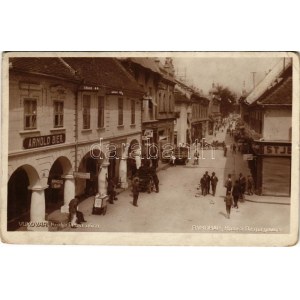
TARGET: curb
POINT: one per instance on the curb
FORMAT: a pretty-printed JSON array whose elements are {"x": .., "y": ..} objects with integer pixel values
[{"x": 267, "y": 202}]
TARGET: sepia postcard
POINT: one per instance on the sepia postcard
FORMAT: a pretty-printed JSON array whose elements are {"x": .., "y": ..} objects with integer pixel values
[{"x": 150, "y": 148}]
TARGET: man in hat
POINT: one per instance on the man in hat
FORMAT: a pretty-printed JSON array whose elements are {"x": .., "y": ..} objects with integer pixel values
[
  {"x": 214, "y": 180},
  {"x": 135, "y": 190},
  {"x": 111, "y": 190},
  {"x": 207, "y": 177},
  {"x": 242, "y": 183},
  {"x": 228, "y": 184}
]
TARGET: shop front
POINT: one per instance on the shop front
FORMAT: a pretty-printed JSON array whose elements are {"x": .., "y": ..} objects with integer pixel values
[
  {"x": 197, "y": 131},
  {"x": 273, "y": 168}
]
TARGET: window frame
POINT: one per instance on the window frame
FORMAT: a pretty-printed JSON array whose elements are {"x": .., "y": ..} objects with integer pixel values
[
  {"x": 132, "y": 109},
  {"x": 31, "y": 115},
  {"x": 101, "y": 112},
  {"x": 86, "y": 112},
  {"x": 120, "y": 111},
  {"x": 58, "y": 113}
]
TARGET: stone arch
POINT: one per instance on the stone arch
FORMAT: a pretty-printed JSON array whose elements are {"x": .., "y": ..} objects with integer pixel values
[
  {"x": 133, "y": 162},
  {"x": 54, "y": 193},
  {"x": 90, "y": 163},
  {"x": 19, "y": 187}
]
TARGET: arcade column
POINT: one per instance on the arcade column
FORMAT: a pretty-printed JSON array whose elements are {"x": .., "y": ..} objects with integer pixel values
[
  {"x": 69, "y": 192},
  {"x": 102, "y": 184},
  {"x": 123, "y": 172},
  {"x": 138, "y": 159},
  {"x": 37, "y": 208}
]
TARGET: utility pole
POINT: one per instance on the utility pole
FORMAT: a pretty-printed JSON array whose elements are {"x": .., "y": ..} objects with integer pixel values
[{"x": 253, "y": 77}]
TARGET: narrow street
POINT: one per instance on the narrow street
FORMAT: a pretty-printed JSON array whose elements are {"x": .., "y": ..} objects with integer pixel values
[{"x": 179, "y": 207}]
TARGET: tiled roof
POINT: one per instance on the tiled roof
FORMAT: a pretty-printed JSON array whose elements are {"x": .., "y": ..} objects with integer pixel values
[
  {"x": 264, "y": 85},
  {"x": 103, "y": 71},
  {"x": 180, "y": 97},
  {"x": 52, "y": 66},
  {"x": 146, "y": 62},
  {"x": 282, "y": 94}
]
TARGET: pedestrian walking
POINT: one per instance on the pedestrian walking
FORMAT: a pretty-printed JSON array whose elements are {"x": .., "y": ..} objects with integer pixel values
[
  {"x": 250, "y": 185},
  {"x": 196, "y": 158},
  {"x": 242, "y": 184},
  {"x": 228, "y": 203},
  {"x": 234, "y": 149},
  {"x": 172, "y": 160},
  {"x": 135, "y": 190},
  {"x": 236, "y": 193},
  {"x": 207, "y": 178},
  {"x": 228, "y": 184},
  {"x": 155, "y": 179},
  {"x": 214, "y": 180},
  {"x": 203, "y": 185},
  {"x": 225, "y": 150},
  {"x": 111, "y": 190}
]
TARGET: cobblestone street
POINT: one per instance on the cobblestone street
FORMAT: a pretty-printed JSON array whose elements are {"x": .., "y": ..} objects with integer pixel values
[{"x": 176, "y": 208}]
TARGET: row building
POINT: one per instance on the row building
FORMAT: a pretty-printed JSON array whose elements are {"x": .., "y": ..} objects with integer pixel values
[
  {"x": 266, "y": 113},
  {"x": 72, "y": 122}
]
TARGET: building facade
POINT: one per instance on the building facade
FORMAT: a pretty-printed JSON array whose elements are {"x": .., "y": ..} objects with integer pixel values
[
  {"x": 267, "y": 125},
  {"x": 72, "y": 122},
  {"x": 199, "y": 121},
  {"x": 157, "y": 81},
  {"x": 183, "y": 112}
]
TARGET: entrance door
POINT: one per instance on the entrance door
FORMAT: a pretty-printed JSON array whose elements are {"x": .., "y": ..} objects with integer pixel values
[{"x": 276, "y": 176}]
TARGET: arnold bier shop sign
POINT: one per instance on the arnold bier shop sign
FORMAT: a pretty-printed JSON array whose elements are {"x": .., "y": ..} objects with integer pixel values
[{"x": 44, "y": 140}]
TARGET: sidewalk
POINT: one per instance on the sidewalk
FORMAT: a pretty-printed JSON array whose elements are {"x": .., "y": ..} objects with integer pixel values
[
  {"x": 86, "y": 204},
  {"x": 239, "y": 165},
  {"x": 236, "y": 165}
]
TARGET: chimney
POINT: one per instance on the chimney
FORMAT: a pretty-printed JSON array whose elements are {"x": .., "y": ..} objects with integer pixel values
[{"x": 169, "y": 67}]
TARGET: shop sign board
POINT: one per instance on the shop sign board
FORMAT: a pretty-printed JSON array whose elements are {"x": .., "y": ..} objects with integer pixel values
[
  {"x": 43, "y": 141},
  {"x": 277, "y": 150},
  {"x": 56, "y": 183},
  {"x": 82, "y": 175}
]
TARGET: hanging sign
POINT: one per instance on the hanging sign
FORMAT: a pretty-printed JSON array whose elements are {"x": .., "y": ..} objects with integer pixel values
[
  {"x": 56, "y": 183},
  {"x": 82, "y": 175},
  {"x": 247, "y": 156},
  {"x": 148, "y": 133}
]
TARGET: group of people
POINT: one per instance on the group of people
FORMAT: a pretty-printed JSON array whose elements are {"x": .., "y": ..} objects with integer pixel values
[
  {"x": 77, "y": 217},
  {"x": 147, "y": 180},
  {"x": 236, "y": 191},
  {"x": 208, "y": 181}
]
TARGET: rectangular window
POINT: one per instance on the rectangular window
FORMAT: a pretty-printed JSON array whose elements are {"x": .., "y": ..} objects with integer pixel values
[
  {"x": 100, "y": 112},
  {"x": 58, "y": 114},
  {"x": 120, "y": 111},
  {"x": 86, "y": 111},
  {"x": 132, "y": 111},
  {"x": 159, "y": 102},
  {"x": 30, "y": 113}
]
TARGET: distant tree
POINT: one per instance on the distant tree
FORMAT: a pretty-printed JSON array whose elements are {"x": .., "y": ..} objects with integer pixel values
[{"x": 227, "y": 97}]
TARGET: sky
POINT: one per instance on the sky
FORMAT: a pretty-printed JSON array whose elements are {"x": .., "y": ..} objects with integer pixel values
[{"x": 228, "y": 72}]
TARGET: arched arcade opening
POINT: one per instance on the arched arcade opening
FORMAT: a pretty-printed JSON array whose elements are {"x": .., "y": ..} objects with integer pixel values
[{"x": 19, "y": 196}]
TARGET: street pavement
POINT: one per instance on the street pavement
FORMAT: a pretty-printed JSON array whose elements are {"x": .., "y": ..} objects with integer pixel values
[{"x": 179, "y": 208}]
